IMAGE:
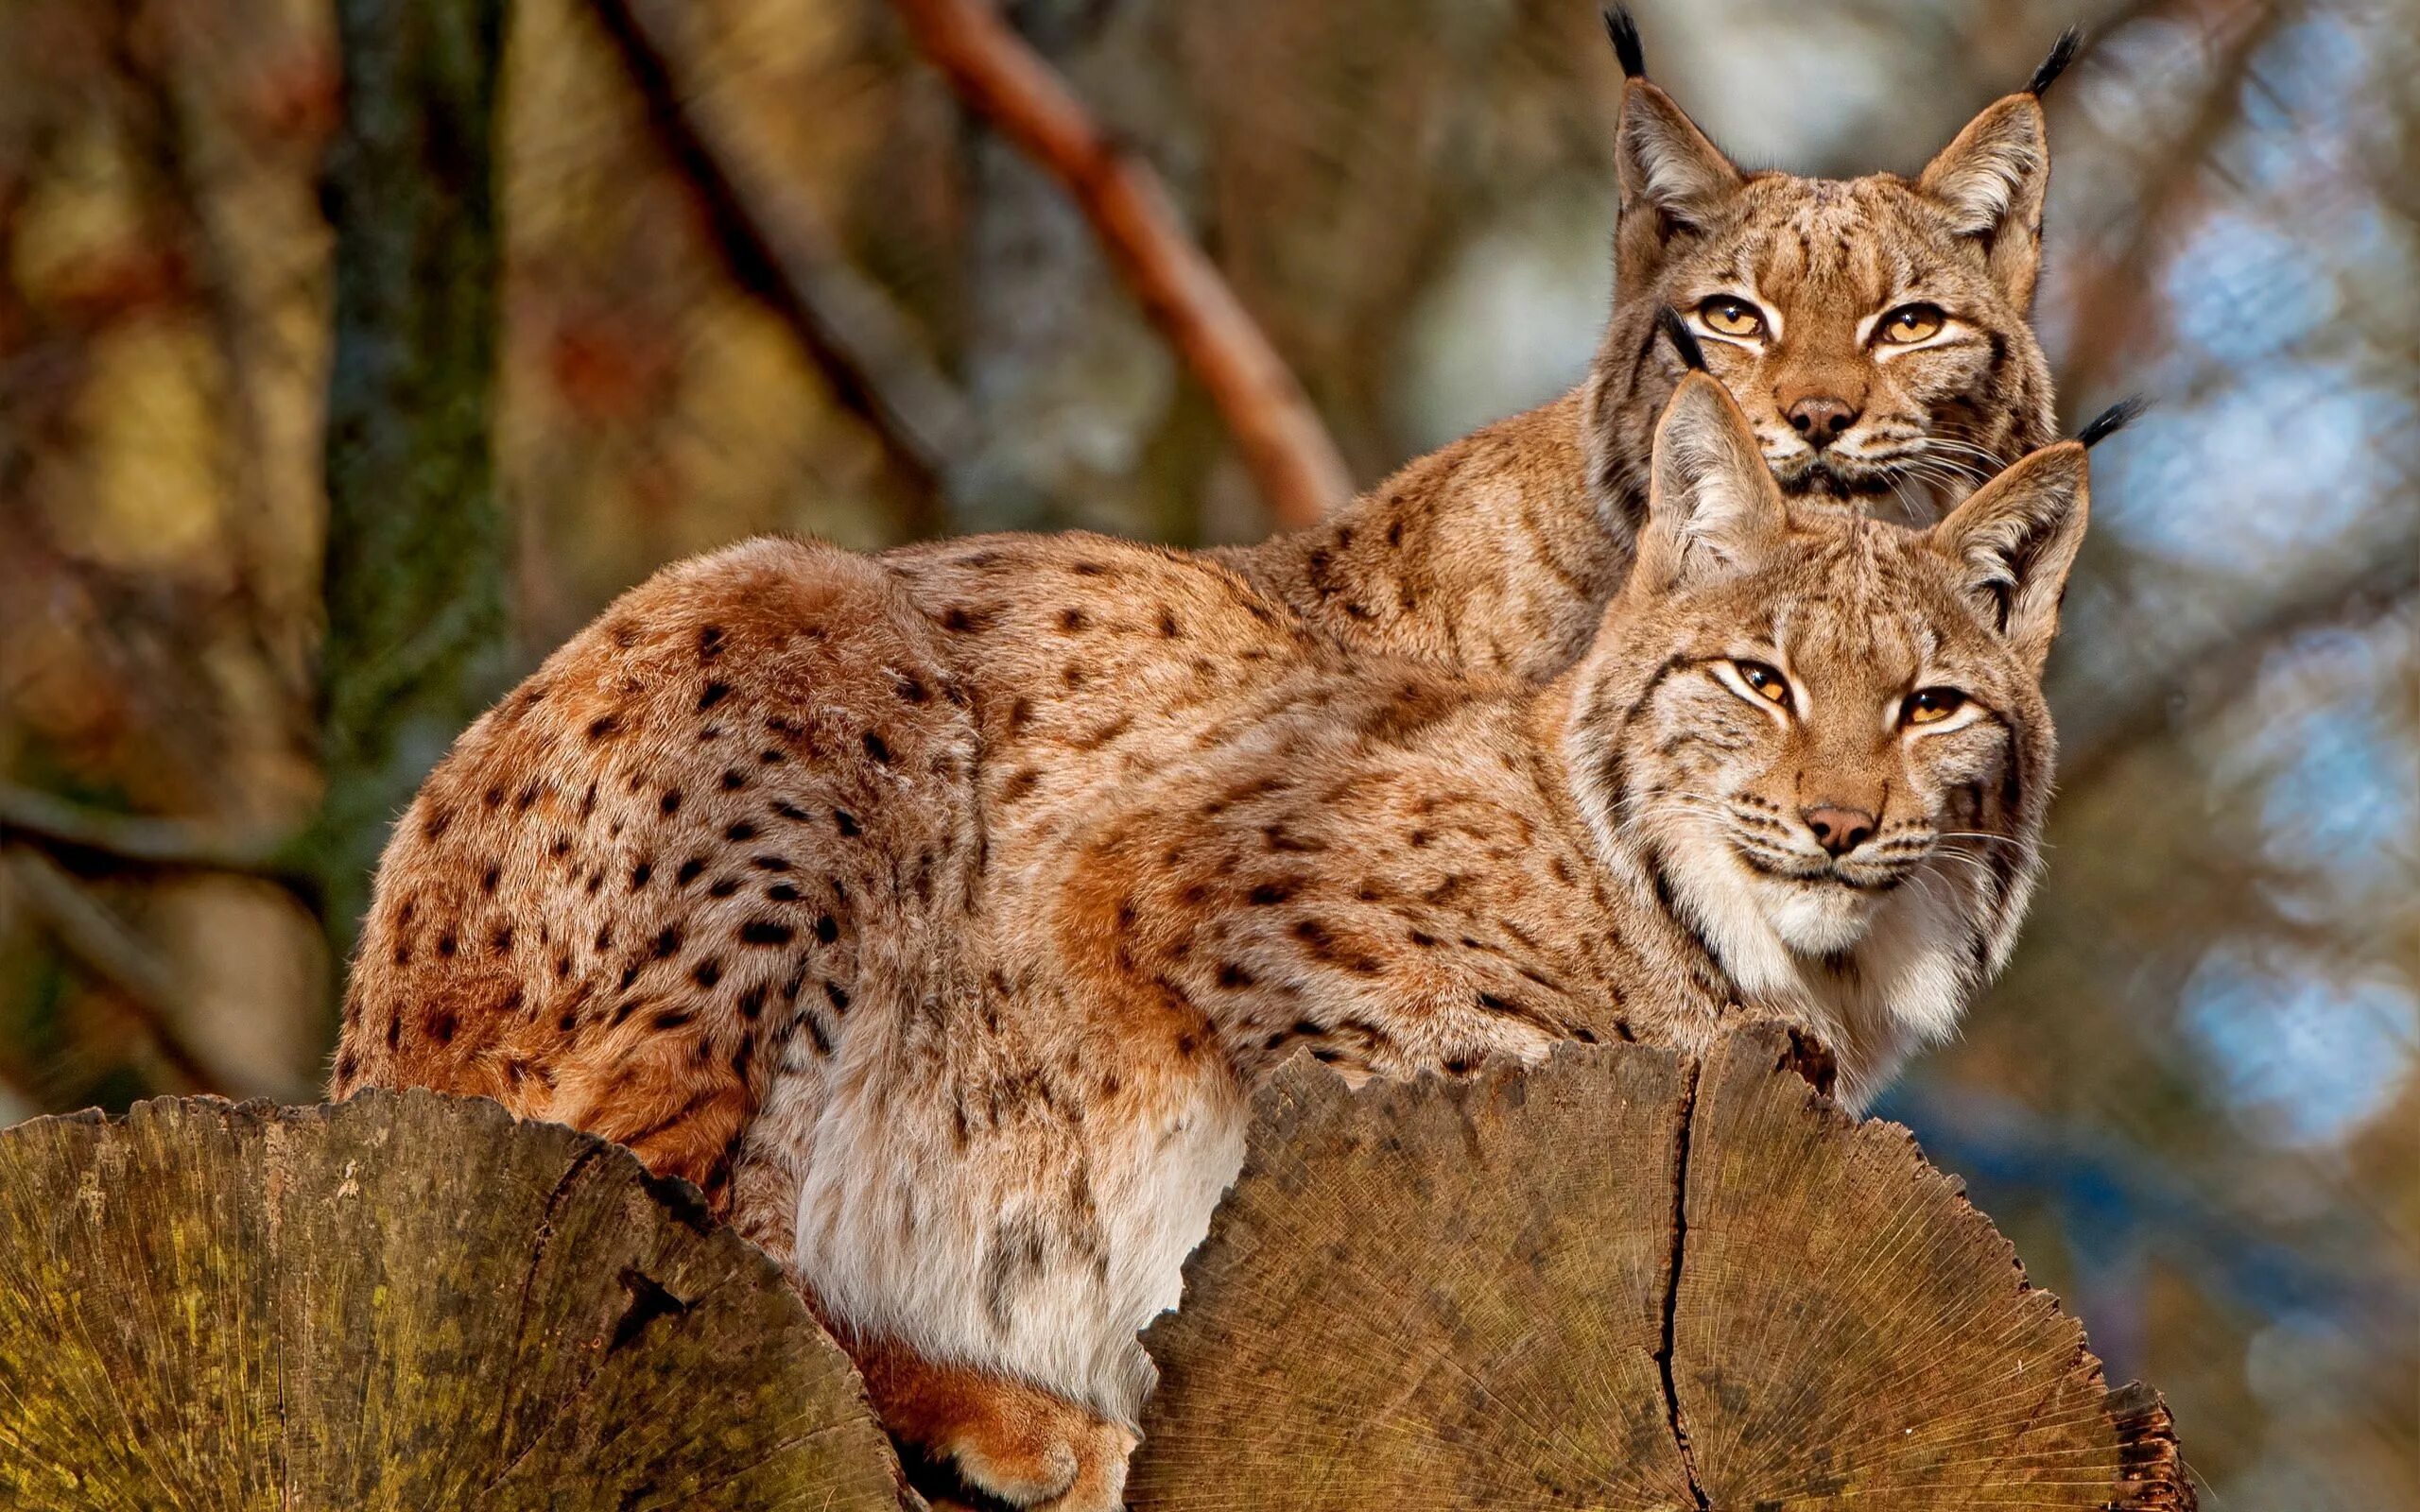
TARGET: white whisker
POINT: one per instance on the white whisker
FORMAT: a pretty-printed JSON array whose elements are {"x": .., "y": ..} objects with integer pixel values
[{"x": 1977, "y": 834}]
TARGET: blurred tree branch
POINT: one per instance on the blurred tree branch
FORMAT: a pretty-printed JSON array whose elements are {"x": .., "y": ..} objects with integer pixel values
[
  {"x": 148, "y": 49},
  {"x": 2213, "y": 668},
  {"x": 53, "y": 823},
  {"x": 138, "y": 979},
  {"x": 2086, "y": 1168},
  {"x": 2108, "y": 301},
  {"x": 780, "y": 249},
  {"x": 1000, "y": 77}
]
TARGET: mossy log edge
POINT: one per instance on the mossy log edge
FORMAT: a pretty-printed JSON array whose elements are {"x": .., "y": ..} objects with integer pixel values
[{"x": 402, "y": 1301}]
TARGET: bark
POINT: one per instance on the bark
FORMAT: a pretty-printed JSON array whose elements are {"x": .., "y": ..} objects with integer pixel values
[
  {"x": 404, "y": 1300},
  {"x": 417, "y": 544},
  {"x": 1621, "y": 1282}
]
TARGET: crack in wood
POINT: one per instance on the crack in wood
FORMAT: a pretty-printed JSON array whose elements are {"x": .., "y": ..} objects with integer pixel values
[
  {"x": 1692, "y": 1071},
  {"x": 649, "y": 1299},
  {"x": 1389, "y": 1315},
  {"x": 540, "y": 1237}
]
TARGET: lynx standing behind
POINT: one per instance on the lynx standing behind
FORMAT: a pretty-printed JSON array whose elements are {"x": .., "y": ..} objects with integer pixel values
[
  {"x": 945, "y": 946},
  {"x": 1874, "y": 330}
]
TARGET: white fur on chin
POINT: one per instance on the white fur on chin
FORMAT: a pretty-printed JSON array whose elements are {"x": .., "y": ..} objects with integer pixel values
[
  {"x": 1879, "y": 974},
  {"x": 1816, "y": 917}
]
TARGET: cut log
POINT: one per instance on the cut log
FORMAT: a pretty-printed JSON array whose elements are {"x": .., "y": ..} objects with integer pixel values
[
  {"x": 1623, "y": 1281},
  {"x": 403, "y": 1300},
  {"x": 1458, "y": 1295}
]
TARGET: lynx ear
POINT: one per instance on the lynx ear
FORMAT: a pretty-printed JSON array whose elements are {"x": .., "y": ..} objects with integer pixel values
[
  {"x": 1991, "y": 180},
  {"x": 2014, "y": 540},
  {"x": 1671, "y": 174},
  {"x": 1712, "y": 508}
]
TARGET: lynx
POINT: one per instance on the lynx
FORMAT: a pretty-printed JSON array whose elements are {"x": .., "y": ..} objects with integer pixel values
[
  {"x": 1874, "y": 330},
  {"x": 937, "y": 914}
]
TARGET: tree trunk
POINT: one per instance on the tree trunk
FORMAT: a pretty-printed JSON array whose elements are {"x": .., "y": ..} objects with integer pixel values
[{"x": 417, "y": 546}]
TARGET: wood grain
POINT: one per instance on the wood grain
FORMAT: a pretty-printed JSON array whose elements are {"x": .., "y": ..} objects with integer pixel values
[
  {"x": 403, "y": 1300},
  {"x": 1436, "y": 1295},
  {"x": 1851, "y": 1333},
  {"x": 1462, "y": 1294},
  {"x": 1623, "y": 1280}
]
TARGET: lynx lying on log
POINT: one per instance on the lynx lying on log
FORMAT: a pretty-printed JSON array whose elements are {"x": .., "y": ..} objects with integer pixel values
[{"x": 937, "y": 915}]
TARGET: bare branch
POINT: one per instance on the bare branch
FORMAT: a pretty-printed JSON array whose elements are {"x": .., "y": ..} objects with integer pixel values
[
  {"x": 999, "y": 78},
  {"x": 2207, "y": 670},
  {"x": 778, "y": 247},
  {"x": 114, "y": 955},
  {"x": 53, "y": 823},
  {"x": 2108, "y": 299}
]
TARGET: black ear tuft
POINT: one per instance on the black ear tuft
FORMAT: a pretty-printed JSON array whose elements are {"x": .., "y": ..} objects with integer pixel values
[
  {"x": 1685, "y": 341},
  {"x": 1624, "y": 31},
  {"x": 2062, "y": 52},
  {"x": 2113, "y": 420}
]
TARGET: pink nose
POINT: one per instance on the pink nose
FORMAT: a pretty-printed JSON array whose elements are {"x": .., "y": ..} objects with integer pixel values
[{"x": 1839, "y": 831}]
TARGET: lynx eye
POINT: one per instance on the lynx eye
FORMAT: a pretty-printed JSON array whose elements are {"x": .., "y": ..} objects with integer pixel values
[
  {"x": 1911, "y": 323},
  {"x": 1767, "y": 683},
  {"x": 1727, "y": 317},
  {"x": 1928, "y": 706}
]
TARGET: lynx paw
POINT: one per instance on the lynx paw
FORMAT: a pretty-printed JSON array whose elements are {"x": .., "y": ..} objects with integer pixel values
[
  {"x": 1005, "y": 1441},
  {"x": 1072, "y": 1465}
]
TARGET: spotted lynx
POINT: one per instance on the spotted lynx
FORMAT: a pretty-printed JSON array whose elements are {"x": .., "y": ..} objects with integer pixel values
[
  {"x": 937, "y": 914},
  {"x": 1874, "y": 330}
]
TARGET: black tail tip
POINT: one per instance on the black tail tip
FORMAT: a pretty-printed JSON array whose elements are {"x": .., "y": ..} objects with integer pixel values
[
  {"x": 1623, "y": 29},
  {"x": 2062, "y": 52},
  {"x": 1685, "y": 341},
  {"x": 2113, "y": 420}
]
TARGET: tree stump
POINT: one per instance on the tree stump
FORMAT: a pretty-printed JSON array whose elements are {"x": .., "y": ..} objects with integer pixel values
[
  {"x": 403, "y": 1300},
  {"x": 1620, "y": 1281}
]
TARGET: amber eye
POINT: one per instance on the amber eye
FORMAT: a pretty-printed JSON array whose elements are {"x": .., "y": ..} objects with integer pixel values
[
  {"x": 1911, "y": 323},
  {"x": 1767, "y": 682},
  {"x": 1927, "y": 706},
  {"x": 1728, "y": 316}
]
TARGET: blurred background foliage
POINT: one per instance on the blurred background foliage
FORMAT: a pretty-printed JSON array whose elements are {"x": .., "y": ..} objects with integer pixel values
[{"x": 2193, "y": 1102}]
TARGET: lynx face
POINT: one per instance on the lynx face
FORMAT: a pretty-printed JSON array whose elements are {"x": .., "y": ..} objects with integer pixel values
[
  {"x": 1859, "y": 332},
  {"x": 1830, "y": 739},
  {"x": 1872, "y": 330},
  {"x": 1841, "y": 711}
]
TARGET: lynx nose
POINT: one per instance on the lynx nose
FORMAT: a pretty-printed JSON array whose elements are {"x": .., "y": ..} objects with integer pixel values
[
  {"x": 1822, "y": 419},
  {"x": 1839, "y": 831}
]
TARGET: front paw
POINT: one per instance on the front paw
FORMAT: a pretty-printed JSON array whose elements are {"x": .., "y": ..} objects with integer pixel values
[
  {"x": 1060, "y": 1458},
  {"x": 981, "y": 1441}
]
